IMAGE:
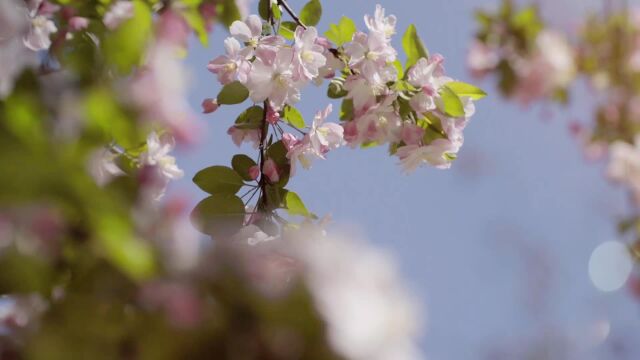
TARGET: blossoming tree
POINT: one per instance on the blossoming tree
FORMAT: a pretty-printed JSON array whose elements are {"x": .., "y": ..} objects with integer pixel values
[{"x": 99, "y": 263}]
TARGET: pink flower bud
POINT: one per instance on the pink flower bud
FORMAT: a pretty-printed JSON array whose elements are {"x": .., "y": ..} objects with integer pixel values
[
  {"x": 270, "y": 169},
  {"x": 272, "y": 115},
  {"x": 209, "y": 106},
  {"x": 350, "y": 131},
  {"x": 78, "y": 23},
  {"x": 289, "y": 141},
  {"x": 208, "y": 13},
  {"x": 254, "y": 172}
]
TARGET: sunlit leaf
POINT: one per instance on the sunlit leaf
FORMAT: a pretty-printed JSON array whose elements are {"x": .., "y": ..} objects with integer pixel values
[
  {"x": 287, "y": 29},
  {"x": 294, "y": 204},
  {"x": 451, "y": 103},
  {"x": 342, "y": 32},
  {"x": 311, "y": 13},
  {"x": 467, "y": 90},
  {"x": 125, "y": 46},
  {"x": 293, "y": 117},
  {"x": 413, "y": 46}
]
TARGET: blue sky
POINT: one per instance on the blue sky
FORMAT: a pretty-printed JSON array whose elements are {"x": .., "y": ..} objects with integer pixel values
[{"x": 498, "y": 246}]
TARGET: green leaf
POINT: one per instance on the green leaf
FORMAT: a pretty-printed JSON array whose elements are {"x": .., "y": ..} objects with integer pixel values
[
  {"x": 398, "y": 65},
  {"x": 263, "y": 9},
  {"x": 124, "y": 47},
  {"x": 228, "y": 12},
  {"x": 251, "y": 118},
  {"x": 218, "y": 180},
  {"x": 346, "y": 110},
  {"x": 241, "y": 164},
  {"x": 233, "y": 93},
  {"x": 275, "y": 197},
  {"x": 196, "y": 22},
  {"x": 293, "y": 117},
  {"x": 218, "y": 215},
  {"x": 369, "y": 144},
  {"x": 275, "y": 10},
  {"x": 311, "y": 13},
  {"x": 130, "y": 254},
  {"x": 466, "y": 90},
  {"x": 342, "y": 32},
  {"x": 336, "y": 89},
  {"x": 413, "y": 46},
  {"x": 294, "y": 204},
  {"x": 451, "y": 103},
  {"x": 287, "y": 29}
]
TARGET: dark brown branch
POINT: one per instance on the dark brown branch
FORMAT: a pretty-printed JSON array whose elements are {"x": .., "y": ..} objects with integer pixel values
[
  {"x": 292, "y": 13},
  {"x": 262, "y": 183}
]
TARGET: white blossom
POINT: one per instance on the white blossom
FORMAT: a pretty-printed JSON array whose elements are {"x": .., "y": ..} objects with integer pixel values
[
  {"x": 357, "y": 290},
  {"x": 118, "y": 13}
]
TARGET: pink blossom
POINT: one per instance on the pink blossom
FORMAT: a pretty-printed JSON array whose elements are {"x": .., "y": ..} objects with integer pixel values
[
  {"x": 438, "y": 154},
  {"x": 350, "y": 132},
  {"x": 119, "y": 12},
  {"x": 102, "y": 166},
  {"x": 551, "y": 67},
  {"x": 232, "y": 66},
  {"x": 254, "y": 172},
  {"x": 383, "y": 26},
  {"x": 289, "y": 141},
  {"x": 209, "y": 106},
  {"x": 238, "y": 136},
  {"x": 423, "y": 75},
  {"x": 624, "y": 165},
  {"x": 270, "y": 170},
  {"x": 78, "y": 23},
  {"x": 369, "y": 51},
  {"x": 208, "y": 12},
  {"x": 173, "y": 28},
  {"x": 274, "y": 80},
  {"x": 309, "y": 56},
  {"x": 379, "y": 123},
  {"x": 370, "y": 83},
  {"x": 325, "y": 136},
  {"x": 160, "y": 90},
  {"x": 482, "y": 59},
  {"x": 411, "y": 134},
  {"x": 39, "y": 36},
  {"x": 361, "y": 92},
  {"x": 14, "y": 56},
  {"x": 302, "y": 152},
  {"x": 249, "y": 31},
  {"x": 273, "y": 116},
  {"x": 13, "y": 22},
  {"x": 157, "y": 155}
]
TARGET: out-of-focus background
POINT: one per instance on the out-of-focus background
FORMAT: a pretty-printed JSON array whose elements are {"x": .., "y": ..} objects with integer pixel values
[{"x": 497, "y": 248}]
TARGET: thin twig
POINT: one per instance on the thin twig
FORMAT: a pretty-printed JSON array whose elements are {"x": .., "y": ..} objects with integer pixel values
[{"x": 292, "y": 13}]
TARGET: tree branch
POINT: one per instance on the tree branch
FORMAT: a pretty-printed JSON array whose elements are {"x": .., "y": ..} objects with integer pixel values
[{"x": 292, "y": 13}]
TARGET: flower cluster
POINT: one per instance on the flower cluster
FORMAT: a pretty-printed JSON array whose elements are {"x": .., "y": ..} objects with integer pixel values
[
  {"x": 421, "y": 115},
  {"x": 534, "y": 63},
  {"x": 416, "y": 109},
  {"x": 531, "y": 62}
]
